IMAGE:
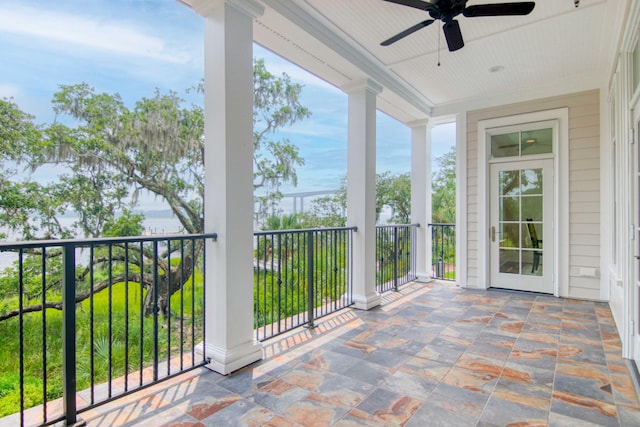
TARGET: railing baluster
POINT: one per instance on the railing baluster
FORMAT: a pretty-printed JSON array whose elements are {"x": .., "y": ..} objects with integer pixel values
[
  {"x": 182, "y": 304},
  {"x": 68, "y": 334},
  {"x": 279, "y": 282},
  {"x": 154, "y": 310},
  {"x": 44, "y": 331},
  {"x": 126, "y": 317},
  {"x": 142, "y": 296},
  {"x": 168, "y": 316},
  {"x": 310, "y": 283},
  {"x": 21, "y": 331},
  {"x": 91, "y": 327},
  {"x": 110, "y": 363}
]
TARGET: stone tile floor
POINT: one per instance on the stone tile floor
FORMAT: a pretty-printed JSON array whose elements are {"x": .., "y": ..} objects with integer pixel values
[{"x": 431, "y": 355}]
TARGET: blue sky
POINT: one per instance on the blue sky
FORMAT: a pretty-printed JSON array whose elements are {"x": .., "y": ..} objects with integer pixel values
[{"x": 133, "y": 47}]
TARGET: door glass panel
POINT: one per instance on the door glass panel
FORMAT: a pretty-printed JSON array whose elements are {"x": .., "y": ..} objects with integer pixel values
[
  {"x": 521, "y": 221},
  {"x": 532, "y": 263},
  {"x": 531, "y": 181},
  {"x": 509, "y": 209},
  {"x": 510, "y": 261},
  {"x": 532, "y": 235},
  {"x": 510, "y": 235},
  {"x": 538, "y": 141},
  {"x": 505, "y": 145},
  {"x": 531, "y": 208},
  {"x": 509, "y": 183}
]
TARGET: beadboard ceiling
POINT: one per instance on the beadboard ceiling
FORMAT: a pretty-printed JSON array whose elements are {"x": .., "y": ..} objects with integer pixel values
[{"x": 556, "y": 49}]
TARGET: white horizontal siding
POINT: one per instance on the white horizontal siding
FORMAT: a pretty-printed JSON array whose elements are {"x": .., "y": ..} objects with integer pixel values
[{"x": 584, "y": 184}]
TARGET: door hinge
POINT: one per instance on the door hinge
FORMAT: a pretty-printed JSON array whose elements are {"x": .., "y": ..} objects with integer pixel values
[
  {"x": 632, "y": 136},
  {"x": 633, "y": 232}
]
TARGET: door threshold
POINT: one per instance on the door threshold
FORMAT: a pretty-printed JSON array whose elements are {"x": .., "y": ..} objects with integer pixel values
[{"x": 518, "y": 291}]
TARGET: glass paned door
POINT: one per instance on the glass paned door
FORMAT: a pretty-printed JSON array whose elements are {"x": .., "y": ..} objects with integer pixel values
[{"x": 521, "y": 225}]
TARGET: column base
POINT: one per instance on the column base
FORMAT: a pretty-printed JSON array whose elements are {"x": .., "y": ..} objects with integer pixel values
[
  {"x": 362, "y": 302},
  {"x": 225, "y": 361},
  {"x": 424, "y": 277}
]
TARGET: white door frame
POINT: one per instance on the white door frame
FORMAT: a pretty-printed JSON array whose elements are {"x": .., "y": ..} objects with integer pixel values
[
  {"x": 561, "y": 193},
  {"x": 633, "y": 292}
]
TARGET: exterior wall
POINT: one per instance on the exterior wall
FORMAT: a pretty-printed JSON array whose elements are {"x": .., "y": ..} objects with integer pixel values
[{"x": 584, "y": 187}]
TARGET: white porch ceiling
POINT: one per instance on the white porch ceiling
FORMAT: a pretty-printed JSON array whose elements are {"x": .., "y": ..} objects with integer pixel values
[{"x": 556, "y": 49}]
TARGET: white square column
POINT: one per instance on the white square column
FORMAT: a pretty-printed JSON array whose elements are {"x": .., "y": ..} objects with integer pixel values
[
  {"x": 361, "y": 189},
  {"x": 228, "y": 183},
  {"x": 421, "y": 192}
]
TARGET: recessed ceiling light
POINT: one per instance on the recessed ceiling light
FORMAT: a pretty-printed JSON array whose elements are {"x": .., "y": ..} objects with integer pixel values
[{"x": 496, "y": 68}]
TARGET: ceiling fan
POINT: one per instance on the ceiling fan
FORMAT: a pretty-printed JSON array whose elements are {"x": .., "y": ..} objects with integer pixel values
[{"x": 447, "y": 10}]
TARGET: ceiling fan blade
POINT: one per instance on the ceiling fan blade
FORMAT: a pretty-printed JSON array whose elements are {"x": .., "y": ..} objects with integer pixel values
[
  {"x": 418, "y": 4},
  {"x": 406, "y": 32},
  {"x": 499, "y": 9},
  {"x": 453, "y": 35}
]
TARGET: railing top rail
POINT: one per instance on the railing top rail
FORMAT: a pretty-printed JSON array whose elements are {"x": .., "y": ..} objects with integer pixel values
[
  {"x": 302, "y": 230},
  {"x": 7, "y": 246},
  {"x": 439, "y": 224},
  {"x": 397, "y": 225}
]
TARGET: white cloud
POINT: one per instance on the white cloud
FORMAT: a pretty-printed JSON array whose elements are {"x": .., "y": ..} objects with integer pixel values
[
  {"x": 9, "y": 90},
  {"x": 85, "y": 31}
]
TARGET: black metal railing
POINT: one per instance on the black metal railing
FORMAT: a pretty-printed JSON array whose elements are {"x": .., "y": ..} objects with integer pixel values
[
  {"x": 89, "y": 321},
  {"x": 395, "y": 255},
  {"x": 443, "y": 251},
  {"x": 299, "y": 276}
]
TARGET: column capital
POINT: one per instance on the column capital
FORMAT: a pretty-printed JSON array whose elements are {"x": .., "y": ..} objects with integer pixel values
[
  {"x": 419, "y": 123},
  {"x": 250, "y": 8},
  {"x": 368, "y": 85}
]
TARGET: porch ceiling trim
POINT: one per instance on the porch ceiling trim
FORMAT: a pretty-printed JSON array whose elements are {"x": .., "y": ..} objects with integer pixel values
[{"x": 321, "y": 29}]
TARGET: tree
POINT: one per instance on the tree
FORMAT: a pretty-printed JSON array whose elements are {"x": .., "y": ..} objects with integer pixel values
[
  {"x": 444, "y": 189},
  {"x": 113, "y": 152},
  {"x": 277, "y": 105},
  {"x": 394, "y": 191}
]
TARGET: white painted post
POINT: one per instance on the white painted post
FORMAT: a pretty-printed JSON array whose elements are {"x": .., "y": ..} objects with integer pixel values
[
  {"x": 228, "y": 201},
  {"x": 361, "y": 189},
  {"x": 421, "y": 194}
]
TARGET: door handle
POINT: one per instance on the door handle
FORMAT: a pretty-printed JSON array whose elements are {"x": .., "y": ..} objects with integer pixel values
[{"x": 493, "y": 234}]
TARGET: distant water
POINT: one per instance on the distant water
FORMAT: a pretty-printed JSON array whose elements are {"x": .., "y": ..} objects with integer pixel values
[{"x": 152, "y": 226}]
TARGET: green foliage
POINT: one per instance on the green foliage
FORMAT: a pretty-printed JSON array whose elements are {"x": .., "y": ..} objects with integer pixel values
[
  {"x": 127, "y": 224},
  {"x": 394, "y": 191},
  {"x": 276, "y": 105},
  {"x": 284, "y": 222},
  {"x": 444, "y": 189}
]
